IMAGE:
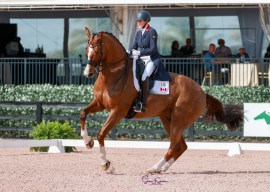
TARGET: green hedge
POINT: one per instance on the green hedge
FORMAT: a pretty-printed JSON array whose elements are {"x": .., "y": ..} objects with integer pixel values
[
  {"x": 47, "y": 93},
  {"x": 240, "y": 95},
  {"x": 84, "y": 93}
]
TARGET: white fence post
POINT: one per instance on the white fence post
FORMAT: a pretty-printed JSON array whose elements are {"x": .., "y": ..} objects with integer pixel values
[
  {"x": 235, "y": 149},
  {"x": 59, "y": 148}
]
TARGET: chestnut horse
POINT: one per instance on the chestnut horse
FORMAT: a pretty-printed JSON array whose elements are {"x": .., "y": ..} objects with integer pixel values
[{"x": 114, "y": 91}]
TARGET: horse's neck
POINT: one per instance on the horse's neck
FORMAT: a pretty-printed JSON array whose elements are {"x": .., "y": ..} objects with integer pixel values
[
  {"x": 117, "y": 77},
  {"x": 116, "y": 70}
]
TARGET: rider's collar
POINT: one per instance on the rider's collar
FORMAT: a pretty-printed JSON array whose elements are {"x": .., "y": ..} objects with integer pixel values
[{"x": 147, "y": 27}]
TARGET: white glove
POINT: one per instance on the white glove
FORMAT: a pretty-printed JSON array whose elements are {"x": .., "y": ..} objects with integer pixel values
[
  {"x": 135, "y": 52},
  {"x": 128, "y": 52}
]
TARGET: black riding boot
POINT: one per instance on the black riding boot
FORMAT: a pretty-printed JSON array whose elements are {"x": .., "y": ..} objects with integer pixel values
[{"x": 140, "y": 106}]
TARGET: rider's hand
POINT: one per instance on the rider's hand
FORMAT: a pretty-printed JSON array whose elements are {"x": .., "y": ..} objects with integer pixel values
[
  {"x": 128, "y": 52},
  {"x": 135, "y": 53}
]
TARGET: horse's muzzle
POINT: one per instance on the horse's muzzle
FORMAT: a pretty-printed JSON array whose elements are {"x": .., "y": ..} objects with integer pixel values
[{"x": 89, "y": 71}]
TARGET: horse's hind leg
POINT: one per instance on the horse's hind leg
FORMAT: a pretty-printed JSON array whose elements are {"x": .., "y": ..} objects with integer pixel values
[
  {"x": 177, "y": 146},
  {"x": 166, "y": 123},
  {"x": 93, "y": 107},
  {"x": 172, "y": 156}
]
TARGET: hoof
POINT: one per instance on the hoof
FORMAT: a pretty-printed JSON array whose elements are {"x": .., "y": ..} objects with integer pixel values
[
  {"x": 152, "y": 171},
  {"x": 90, "y": 145},
  {"x": 106, "y": 166}
]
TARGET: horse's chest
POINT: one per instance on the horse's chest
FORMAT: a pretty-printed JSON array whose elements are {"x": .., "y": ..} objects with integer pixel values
[{"x": 105, "y": 98}]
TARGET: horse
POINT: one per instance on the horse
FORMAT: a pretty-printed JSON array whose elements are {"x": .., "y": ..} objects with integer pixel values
[{"x": 114, "y": 91}]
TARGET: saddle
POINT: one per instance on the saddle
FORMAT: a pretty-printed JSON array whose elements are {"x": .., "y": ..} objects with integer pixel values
[{"x": 160, "y": 74}]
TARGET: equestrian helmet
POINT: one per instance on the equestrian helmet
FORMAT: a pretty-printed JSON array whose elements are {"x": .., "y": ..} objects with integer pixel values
[{"x": 143, "y": 15}]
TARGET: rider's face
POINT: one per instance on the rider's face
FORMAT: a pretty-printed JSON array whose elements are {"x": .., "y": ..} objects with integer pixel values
[{"x": 141, "y": 23}]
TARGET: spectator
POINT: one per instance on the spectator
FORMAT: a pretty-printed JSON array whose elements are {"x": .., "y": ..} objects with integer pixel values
[
  {"x": 14, "y": 48},
  {"x": 175, "y": 52},
  {"x": 267, "y": 55},
  {"x": 209, "y": 58},
  {"x": 187, "y": 49},
  {"x": 2, "y": 52},
  {"x": 242, "y": 55},
  {"x": 222, "y": 51}
]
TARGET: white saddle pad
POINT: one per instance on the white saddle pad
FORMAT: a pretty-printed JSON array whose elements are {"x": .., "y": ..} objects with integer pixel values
[{"x": 159, "y": 88}]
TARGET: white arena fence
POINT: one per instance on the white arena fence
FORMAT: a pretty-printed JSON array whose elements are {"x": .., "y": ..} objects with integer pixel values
[
  {"x": 20, "y": 71},
  {"x": 57, "y": 145}
]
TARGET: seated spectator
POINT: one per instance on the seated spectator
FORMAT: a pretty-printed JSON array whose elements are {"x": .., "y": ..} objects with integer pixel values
[
  {"x": 267, "y": 55},
  {"x": 2, "y": 52},
  {"x": 222, "y": 51},
  {"x": 242, "y": 55},
  {"x": 175, "y": 52},
  {"x": 14, "y": 48},
  {"x": 209, "y": 58},
  {"x": 187, "y": 49}
]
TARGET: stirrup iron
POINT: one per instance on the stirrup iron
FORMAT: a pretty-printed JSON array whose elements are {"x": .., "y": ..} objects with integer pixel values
[{"x": 139, "y": 108}]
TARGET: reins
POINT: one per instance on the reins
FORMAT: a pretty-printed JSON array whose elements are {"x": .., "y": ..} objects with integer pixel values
[
  {"x": 98, "y": 63},
  {"x": 105, "y": 67}
]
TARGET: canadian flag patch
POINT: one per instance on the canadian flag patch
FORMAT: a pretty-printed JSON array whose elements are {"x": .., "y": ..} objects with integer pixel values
[{"x": 163, "y": 89}]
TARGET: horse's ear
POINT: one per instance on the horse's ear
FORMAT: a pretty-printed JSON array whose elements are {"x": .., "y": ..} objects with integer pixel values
[{"x": 87, "y": 32}]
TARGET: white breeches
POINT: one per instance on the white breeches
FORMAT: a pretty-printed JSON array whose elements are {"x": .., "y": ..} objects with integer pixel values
[{"x": 149, "y": 67}]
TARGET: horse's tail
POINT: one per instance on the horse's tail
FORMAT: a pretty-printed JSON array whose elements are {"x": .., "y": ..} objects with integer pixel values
[{"x": 231, "y": 115}]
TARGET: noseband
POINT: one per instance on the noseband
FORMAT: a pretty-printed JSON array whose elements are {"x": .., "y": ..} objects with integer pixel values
[{"x": 96, "y": 63}]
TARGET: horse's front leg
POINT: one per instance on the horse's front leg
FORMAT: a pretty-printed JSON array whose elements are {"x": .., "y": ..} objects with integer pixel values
[
  {"x": 93, "y": 107},
  {"x": 112, "y": 121}
]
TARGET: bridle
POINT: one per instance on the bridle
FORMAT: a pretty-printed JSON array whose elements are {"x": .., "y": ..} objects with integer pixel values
[{"x": 97, "y": 64}]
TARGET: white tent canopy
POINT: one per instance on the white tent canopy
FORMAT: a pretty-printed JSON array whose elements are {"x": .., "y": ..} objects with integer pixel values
[{"x": 65, "y": 4}]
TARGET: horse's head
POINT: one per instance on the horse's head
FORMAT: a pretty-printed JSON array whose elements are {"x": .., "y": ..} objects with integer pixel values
[
  {"x": 104, "y": 51},
  {"x": 94, "y": 53}
]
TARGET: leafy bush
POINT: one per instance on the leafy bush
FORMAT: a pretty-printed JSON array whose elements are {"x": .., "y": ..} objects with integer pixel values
[{"x": 53, "y": 130}]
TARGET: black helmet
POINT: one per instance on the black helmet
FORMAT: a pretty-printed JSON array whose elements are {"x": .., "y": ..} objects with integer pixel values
[{"x": 143, "y": 15}]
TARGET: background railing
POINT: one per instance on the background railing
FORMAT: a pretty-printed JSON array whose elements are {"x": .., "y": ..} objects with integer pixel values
[{"x": 20, "y": 71}]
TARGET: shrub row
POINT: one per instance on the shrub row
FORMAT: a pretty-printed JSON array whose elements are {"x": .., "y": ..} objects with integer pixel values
[{"x": 83, "y": 93}]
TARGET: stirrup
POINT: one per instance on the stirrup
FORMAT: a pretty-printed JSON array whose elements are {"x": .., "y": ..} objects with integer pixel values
[{"x": 139, "y": 108}]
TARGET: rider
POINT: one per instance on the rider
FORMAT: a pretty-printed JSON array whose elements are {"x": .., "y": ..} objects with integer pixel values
[{"x": 145, "y": 46}]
